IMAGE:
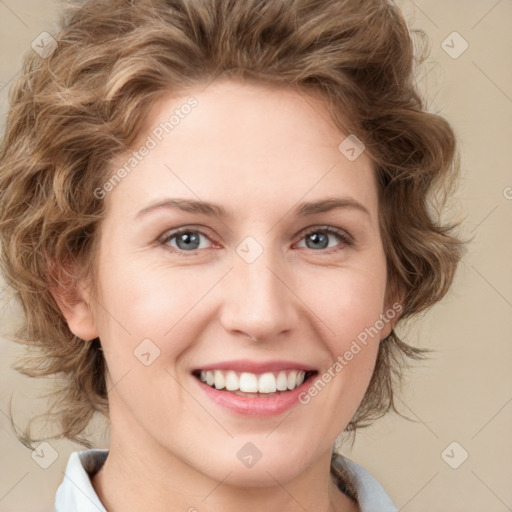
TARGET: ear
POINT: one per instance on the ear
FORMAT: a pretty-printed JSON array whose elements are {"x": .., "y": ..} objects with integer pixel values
[
  {"x": 73, "y": 298},
  {"x": 393, "y": 308}
]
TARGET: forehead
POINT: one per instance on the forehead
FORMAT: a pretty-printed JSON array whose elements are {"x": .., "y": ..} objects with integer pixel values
[{"x": 234, "y": 142}]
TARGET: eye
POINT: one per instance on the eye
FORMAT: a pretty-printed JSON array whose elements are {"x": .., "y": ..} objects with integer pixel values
[
  {"x": 187, "y": 240},
  {"x": 318, "y": 238}
]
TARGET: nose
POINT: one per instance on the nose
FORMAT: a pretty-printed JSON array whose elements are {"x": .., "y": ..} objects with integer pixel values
[{"x": 258, "y": 299}]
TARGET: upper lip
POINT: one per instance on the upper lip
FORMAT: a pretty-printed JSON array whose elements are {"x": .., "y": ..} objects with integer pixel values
[{"x": 244, "y": 365}]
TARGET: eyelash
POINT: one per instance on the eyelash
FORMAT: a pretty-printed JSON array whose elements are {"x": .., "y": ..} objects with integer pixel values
[{"x": 346, "y": 239}]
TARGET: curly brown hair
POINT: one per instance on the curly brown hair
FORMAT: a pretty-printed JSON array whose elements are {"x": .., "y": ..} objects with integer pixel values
[{"x": 73, "y": 111}]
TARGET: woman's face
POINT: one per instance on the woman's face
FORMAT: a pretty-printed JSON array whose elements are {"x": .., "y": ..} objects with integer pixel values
[{"x": 273, "y": 286}]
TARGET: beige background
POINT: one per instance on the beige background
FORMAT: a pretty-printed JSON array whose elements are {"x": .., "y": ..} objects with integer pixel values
[{"x": 462, "y": 394}]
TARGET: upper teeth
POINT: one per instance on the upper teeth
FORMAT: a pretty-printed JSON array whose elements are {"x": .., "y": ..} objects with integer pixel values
[{"x": 252, "y": 383}]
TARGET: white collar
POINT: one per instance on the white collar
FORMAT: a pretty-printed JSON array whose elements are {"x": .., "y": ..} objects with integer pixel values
[{"x": 76, "y": 493}]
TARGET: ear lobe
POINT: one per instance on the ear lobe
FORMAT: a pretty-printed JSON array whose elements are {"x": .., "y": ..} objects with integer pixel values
[
  {"x": 73, "y": 300},
  {"x": 393, "y": 312},
  {"x": 389, "y": 323}
]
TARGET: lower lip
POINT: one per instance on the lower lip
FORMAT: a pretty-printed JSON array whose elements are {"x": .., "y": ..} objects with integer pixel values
[{"x": 253, "y": 405}]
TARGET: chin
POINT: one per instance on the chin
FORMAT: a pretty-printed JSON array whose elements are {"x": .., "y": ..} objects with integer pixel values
[{"x": 281, "y": 467}]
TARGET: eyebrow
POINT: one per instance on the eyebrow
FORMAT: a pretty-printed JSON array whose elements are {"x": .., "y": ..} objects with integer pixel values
[{"x": 215, "y": 210}]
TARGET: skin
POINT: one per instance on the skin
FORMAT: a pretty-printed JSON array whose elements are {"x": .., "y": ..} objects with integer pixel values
[{"x": 258, "y": 151}]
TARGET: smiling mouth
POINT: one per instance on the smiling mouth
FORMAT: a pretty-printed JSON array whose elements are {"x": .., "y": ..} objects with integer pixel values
[{"x": 252, "y": 384}]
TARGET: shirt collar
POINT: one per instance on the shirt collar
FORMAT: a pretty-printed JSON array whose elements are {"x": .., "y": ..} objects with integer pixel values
[
  {"x": 370, "y": 494},
  {"x": 76, "y": 493}
]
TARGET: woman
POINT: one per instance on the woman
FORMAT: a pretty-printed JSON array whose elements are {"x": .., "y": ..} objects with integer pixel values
[{"x": 216, "y": 213}]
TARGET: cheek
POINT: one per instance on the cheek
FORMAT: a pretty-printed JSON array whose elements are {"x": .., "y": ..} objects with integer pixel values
[
  {"x": 348, "y": 302},
  {"x": 146, "y": 303},
  {"x": 352, "y": 313}
]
